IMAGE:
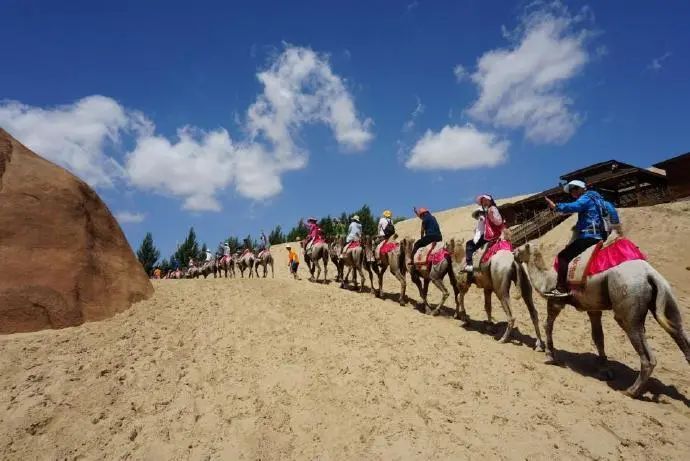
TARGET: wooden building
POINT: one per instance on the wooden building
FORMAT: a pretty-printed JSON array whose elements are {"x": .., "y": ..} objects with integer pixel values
[
  {"x": 622, "y": 184},
  {"x": 677, "y": 175}
]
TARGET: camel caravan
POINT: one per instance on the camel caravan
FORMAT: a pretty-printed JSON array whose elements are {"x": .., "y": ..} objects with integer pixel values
[{"x": 600, "y": 269}]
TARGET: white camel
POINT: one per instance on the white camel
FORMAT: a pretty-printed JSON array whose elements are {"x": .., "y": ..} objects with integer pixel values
[{"x": 631, "y": 290}]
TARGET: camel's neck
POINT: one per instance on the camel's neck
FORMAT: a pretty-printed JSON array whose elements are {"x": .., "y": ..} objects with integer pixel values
[{"x": 543, "y": 280}]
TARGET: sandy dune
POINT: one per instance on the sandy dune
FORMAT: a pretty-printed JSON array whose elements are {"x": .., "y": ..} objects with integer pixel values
[{"x": 276, "y": 369}]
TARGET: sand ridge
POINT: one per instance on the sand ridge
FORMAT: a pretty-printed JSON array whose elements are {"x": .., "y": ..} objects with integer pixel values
[{"x": 277, "y": 368}]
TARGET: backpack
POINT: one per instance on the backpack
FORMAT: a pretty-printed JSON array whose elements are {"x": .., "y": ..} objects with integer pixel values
[
  {"x": 389, "y": 229},
  {"x": 604, "y": 215}
]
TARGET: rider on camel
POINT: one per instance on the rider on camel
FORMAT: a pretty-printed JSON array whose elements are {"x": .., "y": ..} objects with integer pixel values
[
  {"x": 354, "y": 233},
  {"x": 315, "y": 233},
  {"x": 430, "y": 233},
  {"x": 594, "y": 216},
  {"x": 386, "y": 229},
  {"x": 263, "y": 242},
  {"x": 493, "y": 229}
]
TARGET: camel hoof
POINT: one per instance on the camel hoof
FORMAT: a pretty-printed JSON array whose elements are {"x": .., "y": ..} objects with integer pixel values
[
  {"x": 549, "y": 360},
  {"x": 504, "y": 339},
  {"x": 539, "y": 347},
  {"x": 631, "y": 393}
]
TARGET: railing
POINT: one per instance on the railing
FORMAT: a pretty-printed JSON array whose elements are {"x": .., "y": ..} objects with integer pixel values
[{"x": 538, "y": 225}]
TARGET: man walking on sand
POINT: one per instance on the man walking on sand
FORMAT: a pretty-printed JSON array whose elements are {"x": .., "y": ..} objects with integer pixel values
[{"x": 293, "y": 261}]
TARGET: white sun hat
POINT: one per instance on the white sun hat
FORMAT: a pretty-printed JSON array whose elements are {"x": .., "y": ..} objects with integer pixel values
[{"x": 574, "y": 183}]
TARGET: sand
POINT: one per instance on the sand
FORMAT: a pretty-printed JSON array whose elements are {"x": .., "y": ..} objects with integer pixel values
[{"x": 284, "y": 369}]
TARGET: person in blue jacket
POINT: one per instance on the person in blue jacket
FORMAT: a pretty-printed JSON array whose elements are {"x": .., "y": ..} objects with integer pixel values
[{"x": 594, "y": 217}]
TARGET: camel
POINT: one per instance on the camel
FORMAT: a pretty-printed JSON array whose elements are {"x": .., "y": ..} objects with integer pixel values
[
  {"x": 314, "y": 255},
  {"x": 355, "y": 259},
  {"x": 631, "y": 290},
  {"x": 207, "y": 268},
  {"x": 264, "y": 259},
  {"x": 421, "y": 276},
  {"x": 495, "y": 277},
  {"x": 395, "y": 260},
  {"x": 246, "y": 261},
  {"x": 334, "y": 250},
  {"x": 227, "y": 265}
]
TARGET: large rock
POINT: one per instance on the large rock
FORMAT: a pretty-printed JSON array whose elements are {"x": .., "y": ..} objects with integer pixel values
[{"x": 63, "y": 258}]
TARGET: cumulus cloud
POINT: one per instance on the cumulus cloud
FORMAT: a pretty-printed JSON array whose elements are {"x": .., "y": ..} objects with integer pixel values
[
  {"x": 457, "y": 147},
  {"x": 75, "y": 136},
  {"x": 522, "y": 86},
  {"x": 299, "y": 88},
  {"x": 658, "y": 63},
  {"x": 128, "y": 217}
]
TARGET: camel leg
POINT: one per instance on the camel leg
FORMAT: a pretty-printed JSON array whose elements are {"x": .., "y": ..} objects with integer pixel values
[
  {"x": 344, "y": 282},
  {"x": 487, "y": 306},
  {"x": 598, "y": 339},
  {"x": 460, "y": 312},
  {"x": 505, "y": 303},
  {"x": 647, "y": 360},
  {"x": 403, "y": 288},
  {"x": 425, "y": 287},
  {"x": 273, "y": 274},
  {"x": 325, "y": 268},
  {"x": 552, "y": 311},
  {"x": 444, "y": 295},
  {"x": 379, "y": 276},
  {"x": 534, "y": 315},
  {"x": 363, "y": 285}
]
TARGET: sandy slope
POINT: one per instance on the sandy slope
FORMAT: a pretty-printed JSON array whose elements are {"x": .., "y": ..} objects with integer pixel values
[{"x": 275, "y": 369}]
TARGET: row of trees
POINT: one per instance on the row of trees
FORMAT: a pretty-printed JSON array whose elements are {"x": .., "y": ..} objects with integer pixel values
[{"x": 190, "y": 248}]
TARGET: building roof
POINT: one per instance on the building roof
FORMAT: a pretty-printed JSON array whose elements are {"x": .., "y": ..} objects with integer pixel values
[
  {"x": 669, "y": 162},
  {"x": 582, "y": 173}
]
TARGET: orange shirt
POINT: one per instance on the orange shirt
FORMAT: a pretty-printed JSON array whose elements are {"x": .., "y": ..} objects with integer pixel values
[{"x": 292, "y": 257}]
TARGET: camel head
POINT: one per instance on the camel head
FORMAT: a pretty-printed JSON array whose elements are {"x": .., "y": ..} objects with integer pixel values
[
  {"x": 531, "y": 253},
  {"x": 456, "y": 249}
]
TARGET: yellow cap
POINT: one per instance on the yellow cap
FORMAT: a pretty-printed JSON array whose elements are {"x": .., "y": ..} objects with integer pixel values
[{"x": 387, "y": 214}]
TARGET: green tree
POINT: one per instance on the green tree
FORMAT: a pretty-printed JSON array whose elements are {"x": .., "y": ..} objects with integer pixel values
[
  {"x": 299, "y": 231},
  {"x": 248, "y": 242},
  {"x": 165, "y": 266},
  {"x": 327, "y": 226},
  {"x": 233, "y": 243},
  {"x": 276, "y": 236},
  {"x": 188, "y": 249},
  {"x": 366, "y": 218},
  {"x": 147, "y": 253}
]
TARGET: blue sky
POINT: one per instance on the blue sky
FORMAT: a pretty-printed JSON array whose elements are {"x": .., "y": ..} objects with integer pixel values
[{"x": 235, "y": 116}]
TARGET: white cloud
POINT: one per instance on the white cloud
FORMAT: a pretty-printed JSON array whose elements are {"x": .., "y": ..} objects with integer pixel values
[
  {"x": 522, "y": 86},
  {"x": 413, "y": 5},
  {"x": 457, "y": 147},
  {"x": 128, "y": 217},
  {"x": 657, "y": 63},
  {"x": 299, "y": 88},
  {"x": 460, "y": 72},
  {"x": 75, "y": 136}
]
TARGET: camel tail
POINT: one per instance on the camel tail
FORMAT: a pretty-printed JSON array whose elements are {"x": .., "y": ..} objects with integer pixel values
[{"x": 666, "y": 312}]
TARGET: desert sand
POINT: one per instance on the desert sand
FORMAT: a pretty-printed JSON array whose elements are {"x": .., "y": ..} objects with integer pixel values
[{"x": 283, "y": 369}]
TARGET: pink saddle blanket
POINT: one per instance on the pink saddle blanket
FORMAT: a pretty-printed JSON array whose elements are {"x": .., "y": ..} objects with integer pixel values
[
  {"x": 609, "y": 256},
  {"x": 438, "y": 256},
  {"x": 388, "y": 247},
  {"x": 495, "y": 248}
]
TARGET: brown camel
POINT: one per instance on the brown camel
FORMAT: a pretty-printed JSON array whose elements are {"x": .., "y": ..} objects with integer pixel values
[
  {"x": 631, "y": 290},
  {"x": 314, "y": 255},
  {"x": 495, "y": 277},
  {"x": 246, "y": 261},
  {"x": 395, "y": 260},
  {"x": 422, "y": 275},
  {"x": 225, "y": 264},
  {"x": 356, "y": 262},
  {"x": 264, "y": 259}
]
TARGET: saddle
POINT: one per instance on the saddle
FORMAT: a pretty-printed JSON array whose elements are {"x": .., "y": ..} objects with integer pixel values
[
  {"x": 262, "y": 253},
  {"x": 429, "y": 255},
  {"x": 351, "y": 246},
  {"x": 601, "y": 257},
  {"x": 385, "y": 247},
  {"x": 483, "y": 255}
]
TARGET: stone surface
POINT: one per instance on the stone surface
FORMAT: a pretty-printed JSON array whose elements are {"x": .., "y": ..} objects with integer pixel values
[{"x": 63, "y": 258}]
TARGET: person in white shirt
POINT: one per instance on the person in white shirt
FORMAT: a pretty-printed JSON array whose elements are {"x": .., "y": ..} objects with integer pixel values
[
  {"x": 385, "y": 227},
  {"x": 478, "y": 240}
]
